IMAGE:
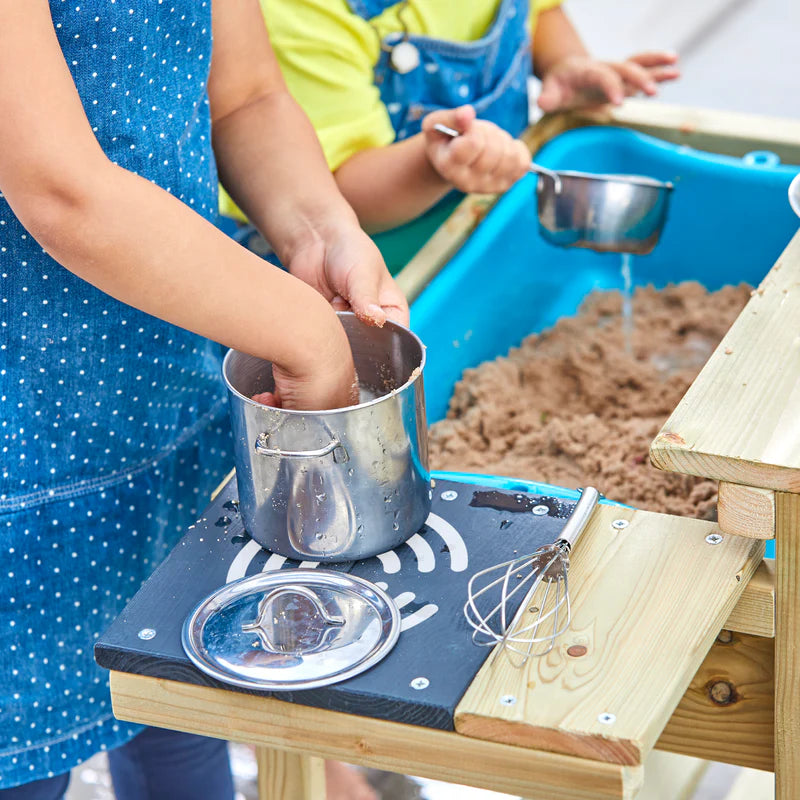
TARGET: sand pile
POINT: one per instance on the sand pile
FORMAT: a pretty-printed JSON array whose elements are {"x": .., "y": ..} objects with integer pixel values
[{"x": 571, "y": 407}]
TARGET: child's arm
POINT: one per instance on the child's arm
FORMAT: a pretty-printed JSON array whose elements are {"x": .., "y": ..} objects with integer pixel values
[
  {"x": 272, "y": 165},
  {"x": 571, "y": 78},
  {"x": 135, "y": 241},
  {"x": 388, "y": 186}
]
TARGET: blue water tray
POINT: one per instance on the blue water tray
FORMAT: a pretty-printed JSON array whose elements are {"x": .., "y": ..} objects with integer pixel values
[{"x": 728, "y": 222}]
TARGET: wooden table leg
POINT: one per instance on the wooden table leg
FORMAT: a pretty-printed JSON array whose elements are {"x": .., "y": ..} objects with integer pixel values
[
  {"x": 289, "y": 776},
  {"x": 787, "y": 634}
]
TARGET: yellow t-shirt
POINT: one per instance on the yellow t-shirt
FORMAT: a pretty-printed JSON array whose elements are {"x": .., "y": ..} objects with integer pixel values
[{"x": 327, "y": 55}]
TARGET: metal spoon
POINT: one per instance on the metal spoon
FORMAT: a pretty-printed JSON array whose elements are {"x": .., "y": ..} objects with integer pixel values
[
  {"x": 794, "y": 194},
  {"x": 532, "y": 167}
]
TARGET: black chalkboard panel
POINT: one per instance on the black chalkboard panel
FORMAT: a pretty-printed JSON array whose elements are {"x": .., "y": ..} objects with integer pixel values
[{"x": 471, "y": 527}]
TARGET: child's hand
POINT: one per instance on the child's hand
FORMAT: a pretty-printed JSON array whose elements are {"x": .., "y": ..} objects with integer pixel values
[
  {"x": 483, "y": 159},
  {"x": 343, "y": 264},
  {"x": 581, "y": 81},
  {"x": 325, "y": 380}
]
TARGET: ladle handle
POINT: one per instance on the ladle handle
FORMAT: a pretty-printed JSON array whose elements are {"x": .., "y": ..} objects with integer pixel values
[
  {"x": 532, "y": 167},
  {"x": 580, "y": 516}
]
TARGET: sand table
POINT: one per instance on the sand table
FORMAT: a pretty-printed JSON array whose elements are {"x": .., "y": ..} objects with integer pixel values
[{"x": 571, "y": 407}]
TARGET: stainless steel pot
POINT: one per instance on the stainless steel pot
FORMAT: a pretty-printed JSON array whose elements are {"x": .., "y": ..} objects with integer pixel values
[
  {"x": 335, "y": 485},
  {"x": 607, "y": 213}
]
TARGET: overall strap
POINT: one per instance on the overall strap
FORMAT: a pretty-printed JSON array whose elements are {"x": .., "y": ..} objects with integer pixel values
[{"x": 368, "y": 9}]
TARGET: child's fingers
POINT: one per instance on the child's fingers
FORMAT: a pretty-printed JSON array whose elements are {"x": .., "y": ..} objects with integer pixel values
[
  {"x": 491, "y": 156},
  {"x": 551, "y": 96},
  {"x": 661, "y": 74},
  {"x": 636, "y": 77},
  {"x": 605, "y": 79},
  {"x": 459, "y": 119},
  {"x": 465, "y": 151},
  {"x": 654, "y": 58}
]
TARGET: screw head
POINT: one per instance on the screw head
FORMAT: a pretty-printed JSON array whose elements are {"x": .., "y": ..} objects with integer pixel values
[
  {"x": 508, "y": 700},
  {"x": 420, "y": 683},
  {"x": 606, "y": 718},
  {"x": 620, "y": 524},
  {"x": 449, "y": 495},
  {"x": 147, "y": 633},
  {"x": 540, "y": 511},
  {"x": 714, "y": 538}
]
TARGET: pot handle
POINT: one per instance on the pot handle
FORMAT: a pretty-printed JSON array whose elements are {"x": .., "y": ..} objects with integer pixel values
[{"x": 340, "y": 455}]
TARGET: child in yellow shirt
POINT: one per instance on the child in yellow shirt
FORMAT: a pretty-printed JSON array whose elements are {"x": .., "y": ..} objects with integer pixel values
[{"x": 374, "y": 76}]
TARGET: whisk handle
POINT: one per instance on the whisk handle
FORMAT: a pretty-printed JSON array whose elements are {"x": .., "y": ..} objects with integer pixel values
[{"x": 580, "y": 516}]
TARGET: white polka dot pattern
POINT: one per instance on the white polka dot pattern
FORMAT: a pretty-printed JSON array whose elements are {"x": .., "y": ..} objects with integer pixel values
[{"x": 113, "y": 425}]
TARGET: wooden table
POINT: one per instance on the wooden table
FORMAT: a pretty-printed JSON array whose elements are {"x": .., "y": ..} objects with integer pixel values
[
  {"x": 682, "y": 647},
  {"x": 649, "y": 600}
]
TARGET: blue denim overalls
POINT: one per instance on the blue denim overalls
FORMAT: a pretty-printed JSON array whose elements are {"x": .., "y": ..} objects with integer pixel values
[
  {"x": 113, "y": 424},
  {"x": 491, "y": 73}
]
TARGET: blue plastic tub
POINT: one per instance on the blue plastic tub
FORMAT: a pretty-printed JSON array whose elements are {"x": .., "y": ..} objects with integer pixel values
[{"x": 728, "y": 222}]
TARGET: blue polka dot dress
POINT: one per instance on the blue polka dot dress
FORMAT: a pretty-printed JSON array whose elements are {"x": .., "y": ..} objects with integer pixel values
[{"x": 113, "y": 424}]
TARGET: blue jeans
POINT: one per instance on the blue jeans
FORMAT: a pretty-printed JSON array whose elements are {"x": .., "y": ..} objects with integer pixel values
[{"x": 155, "y": 765}]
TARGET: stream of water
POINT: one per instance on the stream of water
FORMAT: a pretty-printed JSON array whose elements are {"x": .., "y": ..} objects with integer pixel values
[{"x": 626, "y": 268}]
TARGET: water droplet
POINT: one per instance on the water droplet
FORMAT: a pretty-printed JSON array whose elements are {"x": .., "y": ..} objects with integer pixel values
[
  {"x": 350, "y": 472},
  {"x": 395, "y": 526},
  {"x": 318, "y": 536},
  {"x": 322, "y": 496}
]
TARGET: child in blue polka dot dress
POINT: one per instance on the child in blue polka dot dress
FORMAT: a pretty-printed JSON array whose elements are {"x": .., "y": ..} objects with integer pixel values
[{"x": 113, "y": 423}]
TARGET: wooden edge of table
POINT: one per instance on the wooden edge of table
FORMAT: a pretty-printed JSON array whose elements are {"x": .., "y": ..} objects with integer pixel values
[
  {"x": 648, "y": 599},
  {"x": 392, "y": 746},
  {"x": 737, "y": 421},
  {"x": 731, "y": 133},
  {"x": 727, "y": 712},
  {"x": 754, "y": 613},
  {"x": 746, "y": 511}
]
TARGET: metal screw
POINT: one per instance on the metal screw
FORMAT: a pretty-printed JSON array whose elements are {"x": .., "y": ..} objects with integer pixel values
[
  {"x": 620, "y": 524},
  {"x": 540, "y": 511},
  {"x": 420, "y": 683},
  {"x": 713, "y": 538},
  {"x": 606, "y": 718},
  {"x": 449, "y": 495},
  {"x": 508, "y": 700},
  {"x": 147, "y": 633}
]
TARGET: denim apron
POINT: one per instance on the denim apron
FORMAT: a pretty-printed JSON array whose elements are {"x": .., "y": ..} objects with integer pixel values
[
  {"x": 490, "y": 73},
  {"x": 113, "y": 424}
]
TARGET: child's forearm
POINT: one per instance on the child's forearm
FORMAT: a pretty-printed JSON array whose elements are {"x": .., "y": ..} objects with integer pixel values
[
  {"x": 554, "y": 39},
  {"x": 389, "y": 186},
  {"x": 296, "y": 194},
  {"x": 141, "y": 245}
]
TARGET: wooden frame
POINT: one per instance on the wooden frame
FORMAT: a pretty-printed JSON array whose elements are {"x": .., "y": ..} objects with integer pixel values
[{"x": 743, "y": 704}]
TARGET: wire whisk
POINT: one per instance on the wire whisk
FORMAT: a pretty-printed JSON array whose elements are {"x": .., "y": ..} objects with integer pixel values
[{"x": 542, "y": 578}]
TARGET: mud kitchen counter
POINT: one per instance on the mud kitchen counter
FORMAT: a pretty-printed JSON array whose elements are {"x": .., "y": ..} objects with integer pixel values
[{"x": 678, "y": 641}]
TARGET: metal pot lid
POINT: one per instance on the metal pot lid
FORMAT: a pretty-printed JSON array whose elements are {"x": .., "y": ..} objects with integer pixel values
[{"x": 291, "y": 629}]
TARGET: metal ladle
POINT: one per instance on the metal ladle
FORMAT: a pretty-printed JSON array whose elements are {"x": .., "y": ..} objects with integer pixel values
[{"x": 605, "y": 213}]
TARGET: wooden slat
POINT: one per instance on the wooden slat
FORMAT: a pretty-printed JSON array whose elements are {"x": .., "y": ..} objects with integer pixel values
[
  {"x": 755, "y": 611},
  {"x": 444, "y": 244},
  {"x": 787, "y": 635},
  {"x": 408, "y": 749},
  {"x": 289, "y": 776},
  {"x": 647, "y": 603},
  {"x": 727, "y": 713},
  {"x": 726, "y": 132},
  {"x": 222, "y": 484},
  {"x": 738, "y": 420},
  {"x": 746, "y": 511}
]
